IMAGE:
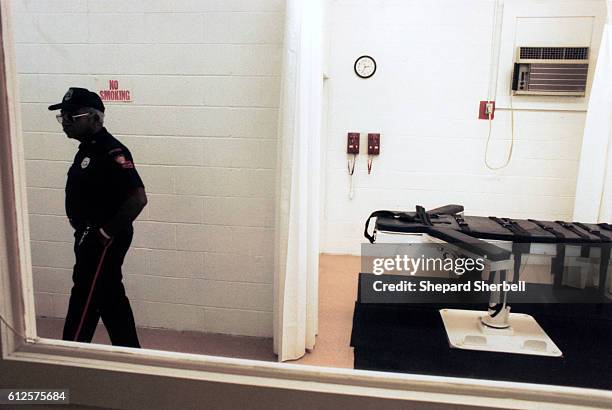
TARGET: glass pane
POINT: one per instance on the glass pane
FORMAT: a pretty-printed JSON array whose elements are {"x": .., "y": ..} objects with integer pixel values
[{"x": 190, "y": 92}]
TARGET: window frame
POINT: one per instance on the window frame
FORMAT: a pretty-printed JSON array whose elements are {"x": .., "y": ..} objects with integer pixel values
[{"x": 17, "y": 306}]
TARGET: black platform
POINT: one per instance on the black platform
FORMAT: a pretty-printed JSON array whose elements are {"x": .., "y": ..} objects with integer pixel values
[{"x": 411, "y": 338}]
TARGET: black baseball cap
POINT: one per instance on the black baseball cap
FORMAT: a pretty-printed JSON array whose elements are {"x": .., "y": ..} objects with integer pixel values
[{"x": 79, "y": 97}]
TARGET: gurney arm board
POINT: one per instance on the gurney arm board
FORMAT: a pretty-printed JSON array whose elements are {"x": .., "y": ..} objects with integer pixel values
[
  {"x": 469, "y": 243},
  {"x": 451, "y": 209}
]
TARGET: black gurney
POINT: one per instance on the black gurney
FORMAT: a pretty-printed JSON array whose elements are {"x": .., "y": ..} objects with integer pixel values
[
  {"x": 410, "y": 337},
  {"x": 471, "y": 232}
]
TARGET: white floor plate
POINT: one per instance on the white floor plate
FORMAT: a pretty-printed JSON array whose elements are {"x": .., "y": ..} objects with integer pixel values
[{"x": 525, "y": 336}]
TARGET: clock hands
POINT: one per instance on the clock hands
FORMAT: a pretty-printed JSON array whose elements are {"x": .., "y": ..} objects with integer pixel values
[{"x": 365, "y": 66}]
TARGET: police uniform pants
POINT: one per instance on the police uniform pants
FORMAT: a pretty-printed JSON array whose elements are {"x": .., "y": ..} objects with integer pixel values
[{"x": 98, "y": 291}]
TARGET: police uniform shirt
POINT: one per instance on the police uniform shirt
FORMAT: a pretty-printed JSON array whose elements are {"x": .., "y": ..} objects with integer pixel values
[{"x": 99, "y": 180}]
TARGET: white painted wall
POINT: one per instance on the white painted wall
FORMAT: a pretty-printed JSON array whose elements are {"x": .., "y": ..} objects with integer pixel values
[
  {"x": 434, "y": 60},
  {"x": 202, "y": 129}
]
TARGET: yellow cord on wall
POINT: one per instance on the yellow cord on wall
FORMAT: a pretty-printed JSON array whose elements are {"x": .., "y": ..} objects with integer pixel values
[{"x": 511, "y": 141}]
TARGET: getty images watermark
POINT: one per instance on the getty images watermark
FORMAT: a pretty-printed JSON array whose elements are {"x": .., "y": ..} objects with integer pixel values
[
  {"x": 457, "y": 266},
  {"x": 411, "y": 265}
]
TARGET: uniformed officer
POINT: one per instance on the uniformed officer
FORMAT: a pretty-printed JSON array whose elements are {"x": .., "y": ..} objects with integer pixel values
[{"x": 104, "y": 194}]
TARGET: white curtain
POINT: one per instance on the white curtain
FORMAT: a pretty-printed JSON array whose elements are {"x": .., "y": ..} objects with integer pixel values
[
  {"x": 594, "y": 186},
  {"x": 299, "y": 179}
]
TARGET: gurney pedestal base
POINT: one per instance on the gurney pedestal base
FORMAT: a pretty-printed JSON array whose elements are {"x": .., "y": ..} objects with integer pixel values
[{"x": 465, "y": 330}]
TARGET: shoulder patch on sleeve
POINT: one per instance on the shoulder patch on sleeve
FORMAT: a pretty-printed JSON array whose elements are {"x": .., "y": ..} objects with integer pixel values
[
  {"x": 119, "y": 157},
  {"x": 121, "y": 160}
]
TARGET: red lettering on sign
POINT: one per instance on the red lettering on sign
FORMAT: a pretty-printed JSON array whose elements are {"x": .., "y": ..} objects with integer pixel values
[{"x": 114, "y": 93}]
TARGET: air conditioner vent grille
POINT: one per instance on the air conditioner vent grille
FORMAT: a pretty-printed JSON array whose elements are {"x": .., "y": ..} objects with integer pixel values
[{"x": 554, "y": 53}]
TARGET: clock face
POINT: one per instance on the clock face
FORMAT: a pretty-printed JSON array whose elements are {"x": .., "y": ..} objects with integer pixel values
[{"x": 365, "y": 66}]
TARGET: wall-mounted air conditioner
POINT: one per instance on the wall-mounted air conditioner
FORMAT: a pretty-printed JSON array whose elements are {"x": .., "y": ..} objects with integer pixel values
[{"x": 559, "y": 71}]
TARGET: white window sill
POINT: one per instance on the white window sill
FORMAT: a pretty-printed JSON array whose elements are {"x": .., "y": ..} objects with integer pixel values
[{"x": 430, "y": 389}]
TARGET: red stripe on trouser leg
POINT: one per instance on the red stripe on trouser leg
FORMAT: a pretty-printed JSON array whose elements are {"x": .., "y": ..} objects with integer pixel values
[{"x": 93, "y": 285}]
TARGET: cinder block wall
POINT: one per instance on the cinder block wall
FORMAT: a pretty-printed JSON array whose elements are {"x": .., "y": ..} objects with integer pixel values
[
  {"x": 434, "y": 63},
  {"x": 204, "y": 78}
]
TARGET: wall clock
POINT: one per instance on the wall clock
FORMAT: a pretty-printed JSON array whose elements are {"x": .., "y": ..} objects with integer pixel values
[{"x": 365, "y": 66}]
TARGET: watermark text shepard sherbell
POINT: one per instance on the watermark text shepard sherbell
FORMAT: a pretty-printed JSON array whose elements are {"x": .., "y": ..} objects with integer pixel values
[{"x": 428, "y": 286}]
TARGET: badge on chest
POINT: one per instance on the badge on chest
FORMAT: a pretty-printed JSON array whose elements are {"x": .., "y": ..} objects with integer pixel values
[{"x": 85, "y": 162}]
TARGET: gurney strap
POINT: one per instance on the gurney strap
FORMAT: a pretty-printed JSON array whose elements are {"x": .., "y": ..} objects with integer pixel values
[
  {"x": 548, "y": 228},
  {"x": 511, "y": 225},
  {"x": 402, "y": 216},
  {"x": 461, "y": 222},
  {"x": 573, "y": 229},
  {"x": 592, "y": 231},
  {"x": 556, "y": 267},
  {"x": 423, "y": 216},
  {"x": 605, "y": 226}
]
